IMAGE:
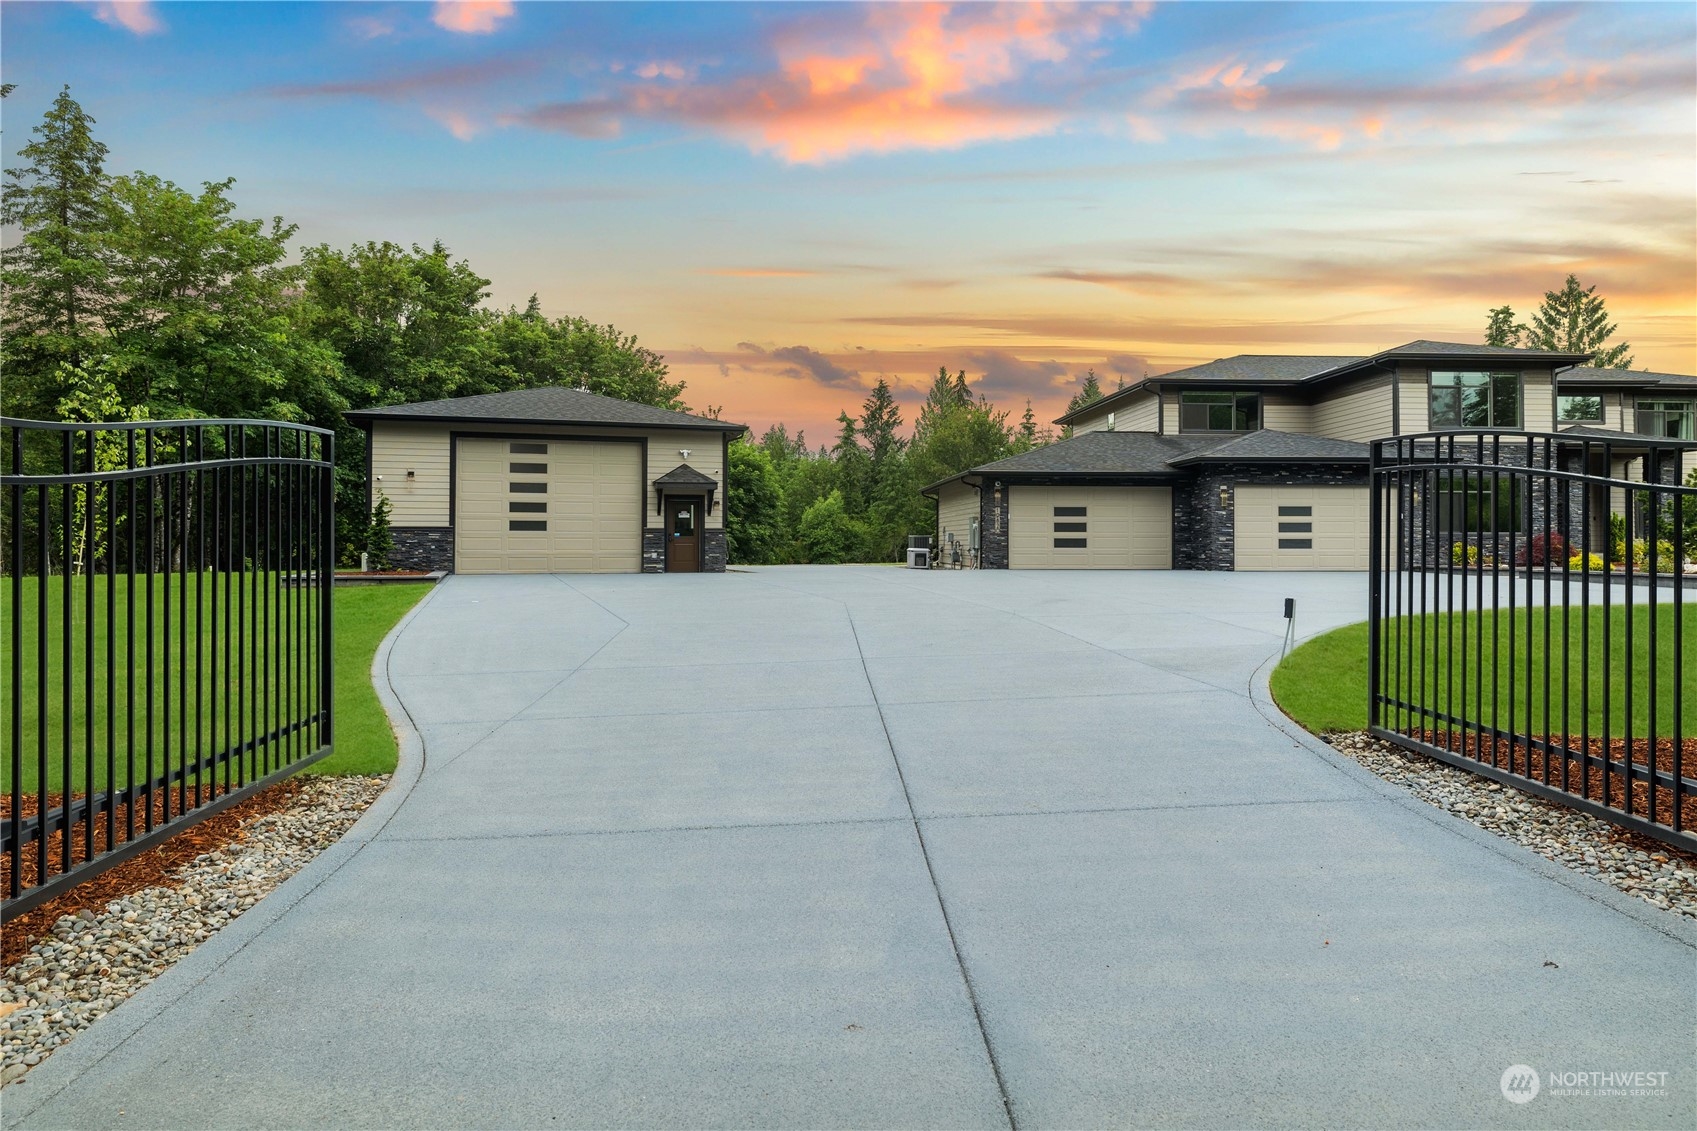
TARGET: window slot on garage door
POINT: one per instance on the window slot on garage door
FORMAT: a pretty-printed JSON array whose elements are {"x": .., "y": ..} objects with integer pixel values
[
  {"x": 528, "y": 488},
  {"x": 1296, "y": 543},
  {"x": 526, "y": 524},
  {"x": 527, "y": 508},
  {"x": 1070, "y": 512},
  {"x": 527, "y": 469},
  {"x": 1071, "y": 527},
  {"x": 1296, "y": 528},
  {"x": 1071, "y": 543},
  {"x": 528, "y": 449},
  {"x": 1296, "y": 512}
]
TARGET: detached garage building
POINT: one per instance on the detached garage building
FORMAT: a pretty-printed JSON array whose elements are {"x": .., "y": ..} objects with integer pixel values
[
  {"x": 549, "y": 480},
  {"x": 1264, "y": 500}
]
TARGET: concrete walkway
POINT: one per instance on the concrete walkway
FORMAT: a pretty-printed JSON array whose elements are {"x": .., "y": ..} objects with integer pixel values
[{"x": 823, "y": 847}]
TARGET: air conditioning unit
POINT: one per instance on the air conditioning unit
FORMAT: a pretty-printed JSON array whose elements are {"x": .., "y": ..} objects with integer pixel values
[{"x": 919, "y": 557}]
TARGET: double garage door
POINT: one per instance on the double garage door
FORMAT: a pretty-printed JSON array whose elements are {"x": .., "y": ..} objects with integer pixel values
[
  {"x": 547, "y": 506},
  {"x": 1090, "y": 527},
  {"x": 1316, "y": 528}
]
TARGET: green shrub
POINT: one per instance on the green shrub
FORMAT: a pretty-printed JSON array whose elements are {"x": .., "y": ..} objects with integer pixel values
[{"x": 380, "y": 538}]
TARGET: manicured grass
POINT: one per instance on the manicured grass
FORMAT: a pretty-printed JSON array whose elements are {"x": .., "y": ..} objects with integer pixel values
[
  {"x": 1323, "y": 684},
  {"x": 228, "y": 623},
  {"x": 364, "y": 743}
]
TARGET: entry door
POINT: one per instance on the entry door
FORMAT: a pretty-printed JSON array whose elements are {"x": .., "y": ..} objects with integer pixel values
[{"x": 683, "y": 534}]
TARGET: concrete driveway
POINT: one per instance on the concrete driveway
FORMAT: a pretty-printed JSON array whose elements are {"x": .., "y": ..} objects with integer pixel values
[{"x": 822, "y": 847}]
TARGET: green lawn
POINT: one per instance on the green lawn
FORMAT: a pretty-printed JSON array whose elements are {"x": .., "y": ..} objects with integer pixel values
[
  {"x": 189, "y": 718},
  {"x": 1323, "y": 684}
]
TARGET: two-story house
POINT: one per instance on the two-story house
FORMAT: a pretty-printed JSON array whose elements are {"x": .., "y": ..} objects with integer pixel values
[{"x": 1261, "y": 461}]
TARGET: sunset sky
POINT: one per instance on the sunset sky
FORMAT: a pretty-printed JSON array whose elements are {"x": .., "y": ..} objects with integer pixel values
[{"x": 791, "y": 200}]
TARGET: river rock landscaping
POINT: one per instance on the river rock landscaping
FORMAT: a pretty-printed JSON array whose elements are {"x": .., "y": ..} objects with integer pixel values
[
  {"x": 1654, "y": 872},
  {"x": 92, "y": 960}
]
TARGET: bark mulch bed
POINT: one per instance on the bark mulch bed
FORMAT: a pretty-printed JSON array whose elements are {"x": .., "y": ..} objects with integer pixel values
[
  {"x": 1606, "y": 785},
  {"x": 149, "y": 869}
]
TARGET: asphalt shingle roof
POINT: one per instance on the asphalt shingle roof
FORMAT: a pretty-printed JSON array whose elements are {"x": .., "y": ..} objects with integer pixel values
[
  {"x": 1259, "y": 367},
  {"x": 550, "y": 405},
  {"x": 1146, "y": 453},
  {"x": 1585, "y": 374},
  {"x": 1270, "y": 446},
  {"x": 684, "y": 475}
]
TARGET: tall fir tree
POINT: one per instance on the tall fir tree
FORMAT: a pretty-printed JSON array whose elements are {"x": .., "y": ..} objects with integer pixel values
[
  {"x": 1502, "y": 330},
  {"x": 1576, "y": 320},
  {"x": 56, "y": 281}
]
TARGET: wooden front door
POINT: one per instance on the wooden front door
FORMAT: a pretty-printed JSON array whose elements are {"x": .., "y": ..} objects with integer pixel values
[{"x": 683, "y": 534}]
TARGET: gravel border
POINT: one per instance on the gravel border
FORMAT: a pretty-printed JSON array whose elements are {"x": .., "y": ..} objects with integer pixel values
[
  {"x": 90, "y": 962},
  {"x": 1661, "y": 875}
]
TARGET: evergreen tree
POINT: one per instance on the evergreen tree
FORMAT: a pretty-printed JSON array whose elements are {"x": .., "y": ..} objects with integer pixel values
[
  {"x": 55, "y": 280},
  {"x": 853, "y": 470},
  {"x": 1575, "y": 320},
  {"x": 1089, "y": 392},
  {"x": 1502, "y": 330},
  {"x": 1028, "y": 428},
  {"x": 880, "y": 421}
]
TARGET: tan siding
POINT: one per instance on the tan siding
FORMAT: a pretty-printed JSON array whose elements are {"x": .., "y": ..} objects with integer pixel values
[
  {"x": 1356, "y": 412},
  {"x": 1286, "y": 414},
  {"x": 1415, "y": 409},
  {"x": 423, "y": 449},
  {"x": 957, "y": 506},
  {"x": 1537, "y": 400},
  {"x": 1169, "y": 412},
  {"x": 1138, "y": 414}
]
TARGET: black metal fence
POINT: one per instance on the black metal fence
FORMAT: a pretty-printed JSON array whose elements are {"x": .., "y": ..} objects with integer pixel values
[
  {"x": 1530, "y": 619},
  {"x": 166, "y": 607}
]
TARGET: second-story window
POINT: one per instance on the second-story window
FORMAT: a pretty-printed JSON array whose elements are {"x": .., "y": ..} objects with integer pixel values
[
  {"x": 1571, "y": 409},
  {"x": 1219, "y": 412},
  {"x": 1475, "y": 400},
  {"x": 1671, "y": 420}
]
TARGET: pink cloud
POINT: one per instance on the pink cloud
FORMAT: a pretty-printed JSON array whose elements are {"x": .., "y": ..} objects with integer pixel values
[
  {"x": 472, "y": 17},
  {"x": 455, "y": 122},
  {"x": 138, "y": 16},
  {"x": 911, "y": 76}
]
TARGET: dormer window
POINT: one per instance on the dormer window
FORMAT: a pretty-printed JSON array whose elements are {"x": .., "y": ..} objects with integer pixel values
[
  {"x": 1219, "y": 412},
  {"x": 1475, "y": 400}
]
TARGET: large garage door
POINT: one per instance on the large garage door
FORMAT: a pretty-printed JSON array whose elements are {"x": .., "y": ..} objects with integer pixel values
[
  {"x": 1301, "y": 528},
  {"x": 1090, "y": 527},
  {"x": 548, "y": 506}
]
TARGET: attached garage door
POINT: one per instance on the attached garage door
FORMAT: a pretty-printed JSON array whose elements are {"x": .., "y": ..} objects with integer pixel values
[
  {"x": 1090, "y": 527},
  {"x": 1301, "y": 528},
  {"x": 547, "y": 506}
]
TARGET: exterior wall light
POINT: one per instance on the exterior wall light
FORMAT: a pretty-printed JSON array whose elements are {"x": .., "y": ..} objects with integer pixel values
[{"x": 1225, "y": 495}]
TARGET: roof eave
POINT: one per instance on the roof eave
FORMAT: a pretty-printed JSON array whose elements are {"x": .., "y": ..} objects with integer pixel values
[{"x": 364, "y": 415}]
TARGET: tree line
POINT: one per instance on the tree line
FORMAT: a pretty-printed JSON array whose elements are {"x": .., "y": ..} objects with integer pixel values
[{"x": 129, "y": 297}]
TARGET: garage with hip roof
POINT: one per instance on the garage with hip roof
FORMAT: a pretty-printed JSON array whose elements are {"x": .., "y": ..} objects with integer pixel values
[{"x": 549, "y": 480}]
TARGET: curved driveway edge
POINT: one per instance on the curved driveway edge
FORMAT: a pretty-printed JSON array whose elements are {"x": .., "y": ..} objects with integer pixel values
[
  {"x": 61, "y": 1070},
  {"x": 730, "y": 850}
]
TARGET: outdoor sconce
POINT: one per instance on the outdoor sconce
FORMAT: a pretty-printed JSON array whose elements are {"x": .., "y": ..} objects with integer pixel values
[
  {"x": 409, "y": 474},
  {"x": 1225, "y": 495}
]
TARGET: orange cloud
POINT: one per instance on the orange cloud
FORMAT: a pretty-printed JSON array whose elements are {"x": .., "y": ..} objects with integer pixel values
[
  {"x": 138, "y": 16},
  {"x": 913, "y": 76},
  {"x": 455, "y": 122},
  {"x": 1241, "y": 81},
  {"x": 472, "y": 17}
]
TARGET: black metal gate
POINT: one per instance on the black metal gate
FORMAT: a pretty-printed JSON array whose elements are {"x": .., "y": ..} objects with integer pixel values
[
  {"x": 166, "y": 601},
  {"x": 1530, "y": 619}
]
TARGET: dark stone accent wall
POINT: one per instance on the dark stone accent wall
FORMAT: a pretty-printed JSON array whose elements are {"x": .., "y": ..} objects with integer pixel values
[
  {"x": 993, "y": 527},
  {"x": 653, "y": 551},
  {"x": 715, "y": 551},
  {"x": 1205, "y": 529},
  {"x": 423, "y": 547}
]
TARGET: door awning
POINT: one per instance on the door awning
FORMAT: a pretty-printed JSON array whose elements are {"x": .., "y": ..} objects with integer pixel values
[{"x": 684, "y": 480}]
